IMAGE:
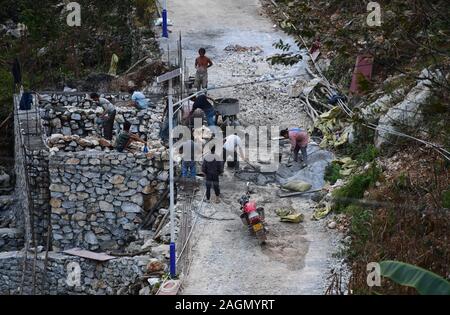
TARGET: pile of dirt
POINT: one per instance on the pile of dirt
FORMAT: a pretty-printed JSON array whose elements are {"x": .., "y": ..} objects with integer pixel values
[{"x": 139, "y": 78}]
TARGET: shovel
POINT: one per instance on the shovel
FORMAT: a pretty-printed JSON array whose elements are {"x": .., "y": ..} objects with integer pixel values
[{"x": 256, "y": 169}]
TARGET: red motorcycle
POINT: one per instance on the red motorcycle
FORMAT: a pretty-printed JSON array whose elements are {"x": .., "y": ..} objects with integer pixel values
[{"x": 253, "y": 217}]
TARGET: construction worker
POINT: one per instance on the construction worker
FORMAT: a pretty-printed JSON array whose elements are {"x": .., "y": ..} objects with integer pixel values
[
  {"x": 299, "y": 142},
  {"x": 108, "y": 116},
  {"x": 202, "y": 63},
  {"x": 190, "y": 151},
  {"x": 212, "y": 167},
  {"x": 125, "y": 137},
  {"x": 232, "y": 147},
  {"x": 201, "y": 102},
  {"x": 138, "y": 99}
]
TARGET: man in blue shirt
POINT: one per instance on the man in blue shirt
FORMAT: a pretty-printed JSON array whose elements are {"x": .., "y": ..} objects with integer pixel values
[{"x": 139, "y": 100}]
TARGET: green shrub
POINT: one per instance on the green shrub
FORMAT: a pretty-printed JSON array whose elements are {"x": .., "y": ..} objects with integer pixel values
[
  {"x": 402, "y": 183},
  {"x": 446, "y": 199},
  {"x": 355, "y": 188},
  {"x": 145, "y": 10},
  {"x": 333, "y": 173},
  {"x": 368, "y": 154},
  {"x": 360, "y": 223}
]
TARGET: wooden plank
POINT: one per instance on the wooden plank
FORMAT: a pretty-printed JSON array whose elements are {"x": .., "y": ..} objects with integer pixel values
[
  {"x": 296, "y": 194},
  {"x": 155, "y": 207},
  {"x": 89, "y": 255}
]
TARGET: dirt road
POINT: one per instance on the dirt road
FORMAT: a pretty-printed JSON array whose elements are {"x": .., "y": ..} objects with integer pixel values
[{"x": 226, "y": 259}]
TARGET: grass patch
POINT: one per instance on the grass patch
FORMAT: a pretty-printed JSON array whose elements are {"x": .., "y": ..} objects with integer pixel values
[
  {"x": 355, "y": 188},
  {"x": 368, "y": 154}
]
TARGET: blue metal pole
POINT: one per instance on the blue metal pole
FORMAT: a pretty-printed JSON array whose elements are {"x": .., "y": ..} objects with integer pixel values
[
  {"x": 173, "y": 260},
  {"x": 173, "y": 257},
  {"x": 164, "y": 17}
]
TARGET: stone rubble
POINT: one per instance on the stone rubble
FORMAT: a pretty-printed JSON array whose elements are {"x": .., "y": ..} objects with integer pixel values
[{"x": 250, "y": 66}]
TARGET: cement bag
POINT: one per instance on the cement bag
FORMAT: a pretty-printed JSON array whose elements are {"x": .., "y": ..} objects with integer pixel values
[
  {"x": 293, "y": 218},
  {"x": 299, "y": 186}
]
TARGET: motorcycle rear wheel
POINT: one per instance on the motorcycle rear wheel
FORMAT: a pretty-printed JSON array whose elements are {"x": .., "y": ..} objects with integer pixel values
[{"x": 262, "y": 238}]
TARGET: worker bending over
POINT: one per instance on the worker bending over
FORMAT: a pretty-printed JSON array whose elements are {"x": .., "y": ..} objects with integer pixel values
[
  {"x": 138, "y": 99},
  {"x": 299, "y": 142},
  {"x": 232, "y": 147},
  {"x": 201, "y": 102},
  {"x": 108, "y": 116},
  {"x": 125, "y": 138}
]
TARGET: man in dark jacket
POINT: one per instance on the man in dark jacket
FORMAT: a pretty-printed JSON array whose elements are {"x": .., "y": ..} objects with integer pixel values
[
  {"x": 212, "y": 167},
  {"x": 201, "y": 102}
]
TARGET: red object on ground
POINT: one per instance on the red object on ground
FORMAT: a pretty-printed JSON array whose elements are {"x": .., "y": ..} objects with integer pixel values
[{"x": 364, "y": 66}]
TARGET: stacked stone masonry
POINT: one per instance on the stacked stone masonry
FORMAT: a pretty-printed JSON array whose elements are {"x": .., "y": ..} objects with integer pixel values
[
  {"x": 10, "y": 239},
  {"x": 97, "y": 198},
  {"x": 77, "y": 116},
  {"x": 69, "y": 274},
  {"x": 93, "y": 197}
]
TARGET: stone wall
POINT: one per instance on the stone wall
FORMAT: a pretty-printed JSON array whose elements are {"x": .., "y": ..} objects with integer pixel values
[
  {"x": 38, "y": 181},
  {"x": 92, "y": 196},
  {"x": 98, "y": 197},
  {"x": 74, "y": 115},
  {"x": 10, "y": 239},
  {"x": 96, "y": 278}
]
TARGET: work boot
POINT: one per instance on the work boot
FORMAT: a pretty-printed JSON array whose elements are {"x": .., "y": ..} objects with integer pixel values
[{"x": 217, "y": 199}]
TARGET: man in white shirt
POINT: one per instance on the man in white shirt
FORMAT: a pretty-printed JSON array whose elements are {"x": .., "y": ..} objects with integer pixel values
[
  {"x": 108, "y": 116},
  {"x": 231, "y": 148},
  {"x": 139, "y": 100}
]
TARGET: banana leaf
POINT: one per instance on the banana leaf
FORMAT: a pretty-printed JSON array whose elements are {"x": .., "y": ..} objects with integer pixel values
[{"x": 424, "y": 281}]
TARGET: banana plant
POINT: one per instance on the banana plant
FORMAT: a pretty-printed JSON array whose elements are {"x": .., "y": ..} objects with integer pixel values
[{"x": 424, "y": 281}]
